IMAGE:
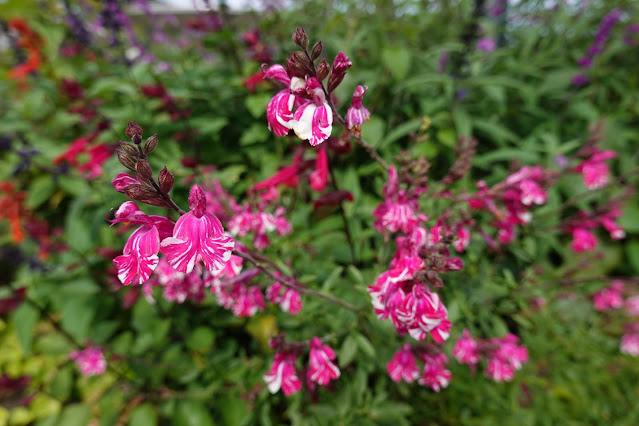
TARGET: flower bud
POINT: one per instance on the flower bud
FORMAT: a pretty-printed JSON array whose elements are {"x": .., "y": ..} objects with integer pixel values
[
  {"x": 341, "y": 64},
  {"x": 143, "y": 169},
  {"x": 129, "y": 149},
  {"x": 133, "y": 130},
  {"x": 150, "y": 144},
  {"x": 322, "y": 70},
  {"x": 299, "y": 65},
  {"x": 122, "y": 181},
  {"x": 166, "y": 180},
  {"x": 126, "y": 159},
  {"x": 300, "y": 38},
  {"x": 317, "y": 50},
  {"x": 145, "y": 194}
]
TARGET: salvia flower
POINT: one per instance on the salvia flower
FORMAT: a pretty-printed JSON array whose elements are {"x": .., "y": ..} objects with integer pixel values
[
  {"x": 313, "y": 119},
  {"x": 594, "y": 170},
  {"x": 90, "y": 361},
  {"x": 140, "y": 254},
  {"x": 283, "y": 375},
  {"x": 630, "y": 343},
  {"x": 609, "y": 298},
  {"x": 583, "y": 240},
  {"x": 321, "y": 369},
  {"x": 506, "y": 358},
  {"x": 198, "y": 236},
  {"x": 466, "y": 349},
  {"x": 357, "y": 113},
  {"x": 435, "y": 375},
  {"x": 289, "y": 300},
  {"x": 403, "y": 365}
]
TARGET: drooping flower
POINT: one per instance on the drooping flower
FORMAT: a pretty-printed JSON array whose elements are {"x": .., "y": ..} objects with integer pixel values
[
  {"x": 198, "y": 236},
  {"x": 435, "y": 375},
  {"x": 283, "y": 375},
  {"x": 140, "y": 254},
  {"x": 321, "y": 369},
  {"x": 313, "y": 119},
  {"x": 403, "y": 365},
  {"x": 357, "y": 114},
  {"x": 319, "y": 177},
  {"x": 466, "y": 349},
  {"x": 583, "y": 240},
  {"x": 90, "y": 361}
]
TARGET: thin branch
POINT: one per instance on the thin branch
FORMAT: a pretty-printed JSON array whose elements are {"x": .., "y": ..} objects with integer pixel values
[{"x": 296, "y": 287}]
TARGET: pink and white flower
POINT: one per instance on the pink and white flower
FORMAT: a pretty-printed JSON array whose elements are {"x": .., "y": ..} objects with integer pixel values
[
  {"x": 403, "y": 365},
  {"x": 313, "y": 119},
  {"x": 466, "y": 349},
  {"x": 583, "y": 240},
  {"x": 609, "y": 297},
  {"x": 283, "y": 375},
  {"x": 435, "y": 375},
  {"x": 357, "y": 114},
  {"x": 506, "y": 358},
  {"x": 321, "y": 369},
  {"x": 198, "y": 236},
  {"x": 594, "y": 170},
  {"x": 90, "y": 361},
  {"x": 289, "y": 301},
  {"x": 630, "y": 343},
  {"x": 140, "y": 254}
]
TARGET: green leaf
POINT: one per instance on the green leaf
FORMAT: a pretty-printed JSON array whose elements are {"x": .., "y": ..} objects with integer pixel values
[
  {"x": 255, "y": 134},
  {"x": 373, "y": 130},
  {"x": 143, "y": 415},
  {"x": 40, "y": 191},
  {"x": 348, "y": 351},
  {"x": 24, "y": 321},
  {"x": 191, "y": 413},
  {"x": 365, "y": 345},
  {"x": 463, "y": 124},
  {"x": 256, "y": 104},
  {"x": 201, "y": 338},
  {"x": 74, "y": 415},
  {"x": 401, "y": 131},
  {"x": 77, "y": 316},
  {"x": 632, "y": 251},
  {"x": 397, "y": 60}
]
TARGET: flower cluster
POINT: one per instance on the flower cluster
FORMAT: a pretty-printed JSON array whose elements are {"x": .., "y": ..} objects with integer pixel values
[
  {"x": 615, "y": 297},
  {"x": 284, "y": 375},
  {"x": 403, "y": 366},
  {"x": 509, "y": 201},
  {"x": 503, "y": 355},
  {"x": 90, "y": 361},
  {"x": 580, "y": 226}
]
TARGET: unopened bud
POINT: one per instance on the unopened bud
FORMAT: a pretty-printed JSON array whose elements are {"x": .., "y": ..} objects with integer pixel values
[
  {"x": 145, "y": 194},
  {"x": 322, "y": 70},
  {"x": 143, "y": 169},
  {"x": 150, "y": 144},
  {"x": 126, "y": 159},
  {"x": 166, "y": 180},
  {"x": 298, "y": 65},
  {"x": 133, "y": 129},
  {"x": 129, "y": 149},
  {"x": 300, "y": 38},
  {"x": 122, "y": 181},
  {"x": 317, "y": 50}
]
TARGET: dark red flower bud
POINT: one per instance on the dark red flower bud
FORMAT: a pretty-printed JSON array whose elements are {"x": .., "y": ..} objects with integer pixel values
[
  {"x": 341, "y": 64},
  {"x": 150, "y": 144},
  {"x": 143, "y": 169},
  {"x": 145, "y": 194},
  {"x": 322, "y": 70},
  {"x": 299, "y": 65},
  {"x": 122, "y": 181},
  {"x": 153, "y": 90},
  {"x": 189, "y": 162},
  {"x": 332, "y": 199},
  {"x": 132, "y": 129},
  {"x": 317, "y": 50},
  {"x": 166, "y": 180},
  {"x": 300, "y": 38},
  {"x": 126, "y": 159}
]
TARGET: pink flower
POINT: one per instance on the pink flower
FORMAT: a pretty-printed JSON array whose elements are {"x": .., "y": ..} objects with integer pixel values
[
  {"x": 609, "y": 298},
  {"x": 283, "y": 375},
  {"x": 321, "y": 370},
  {"x": 319, "y": 177},
  {"x": 632, "y": 306},
  {"x": 463, "y": 239},
  {"x": 140, "y": 254},
  {"x": 290, "y": 301},
  {"x": 583, "y": 240},
  {"x": 466, "y": 349},
  {"x": 198, "y": 235},
  {"x": 630, "y": 343},
  {"x": 403, "y": 365},
  {"x": 122, "y": 181},
  {"x": 594, "y": 170},
  {"x": 90, "y": 361},
  {"x": 279, "y": 109},
  {"x": 435, "y": 374},
  {"x": 357, "y": 114},
  {"x": 506, "y": 358},
  {"x": 486, "y": 44},
  {"x": 313, "y": 120}
]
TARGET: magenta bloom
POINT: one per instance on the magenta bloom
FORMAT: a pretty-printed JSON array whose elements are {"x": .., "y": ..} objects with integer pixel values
[
  {"x": 283, "y": 375},
  {"x": 506, "y": 359},
  {"x": 630, "y": 343},
  {"x": 609, "y": 297},
  {"x": 279, "y": 109},
  {"x": 319, "y": 177},
  {"x": 198, "y": 236},
  {"x": 289, "y": 301},
  {"x": 313, "y": 120},
  {"x": 594, "y": 170},
  {"x": 583, "y": 240},
  {"x": 321, "y": 370},
  {"x": 403, "y": 365},
  {"x": 435, "y": 374},
  {"x": 90, "y": 361},
  {"x": 466, "y": 349},
  {"x": 140, "y": 255},
  {"x": 357, "y": 114},
  {"x": 486, "y": 44}
]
